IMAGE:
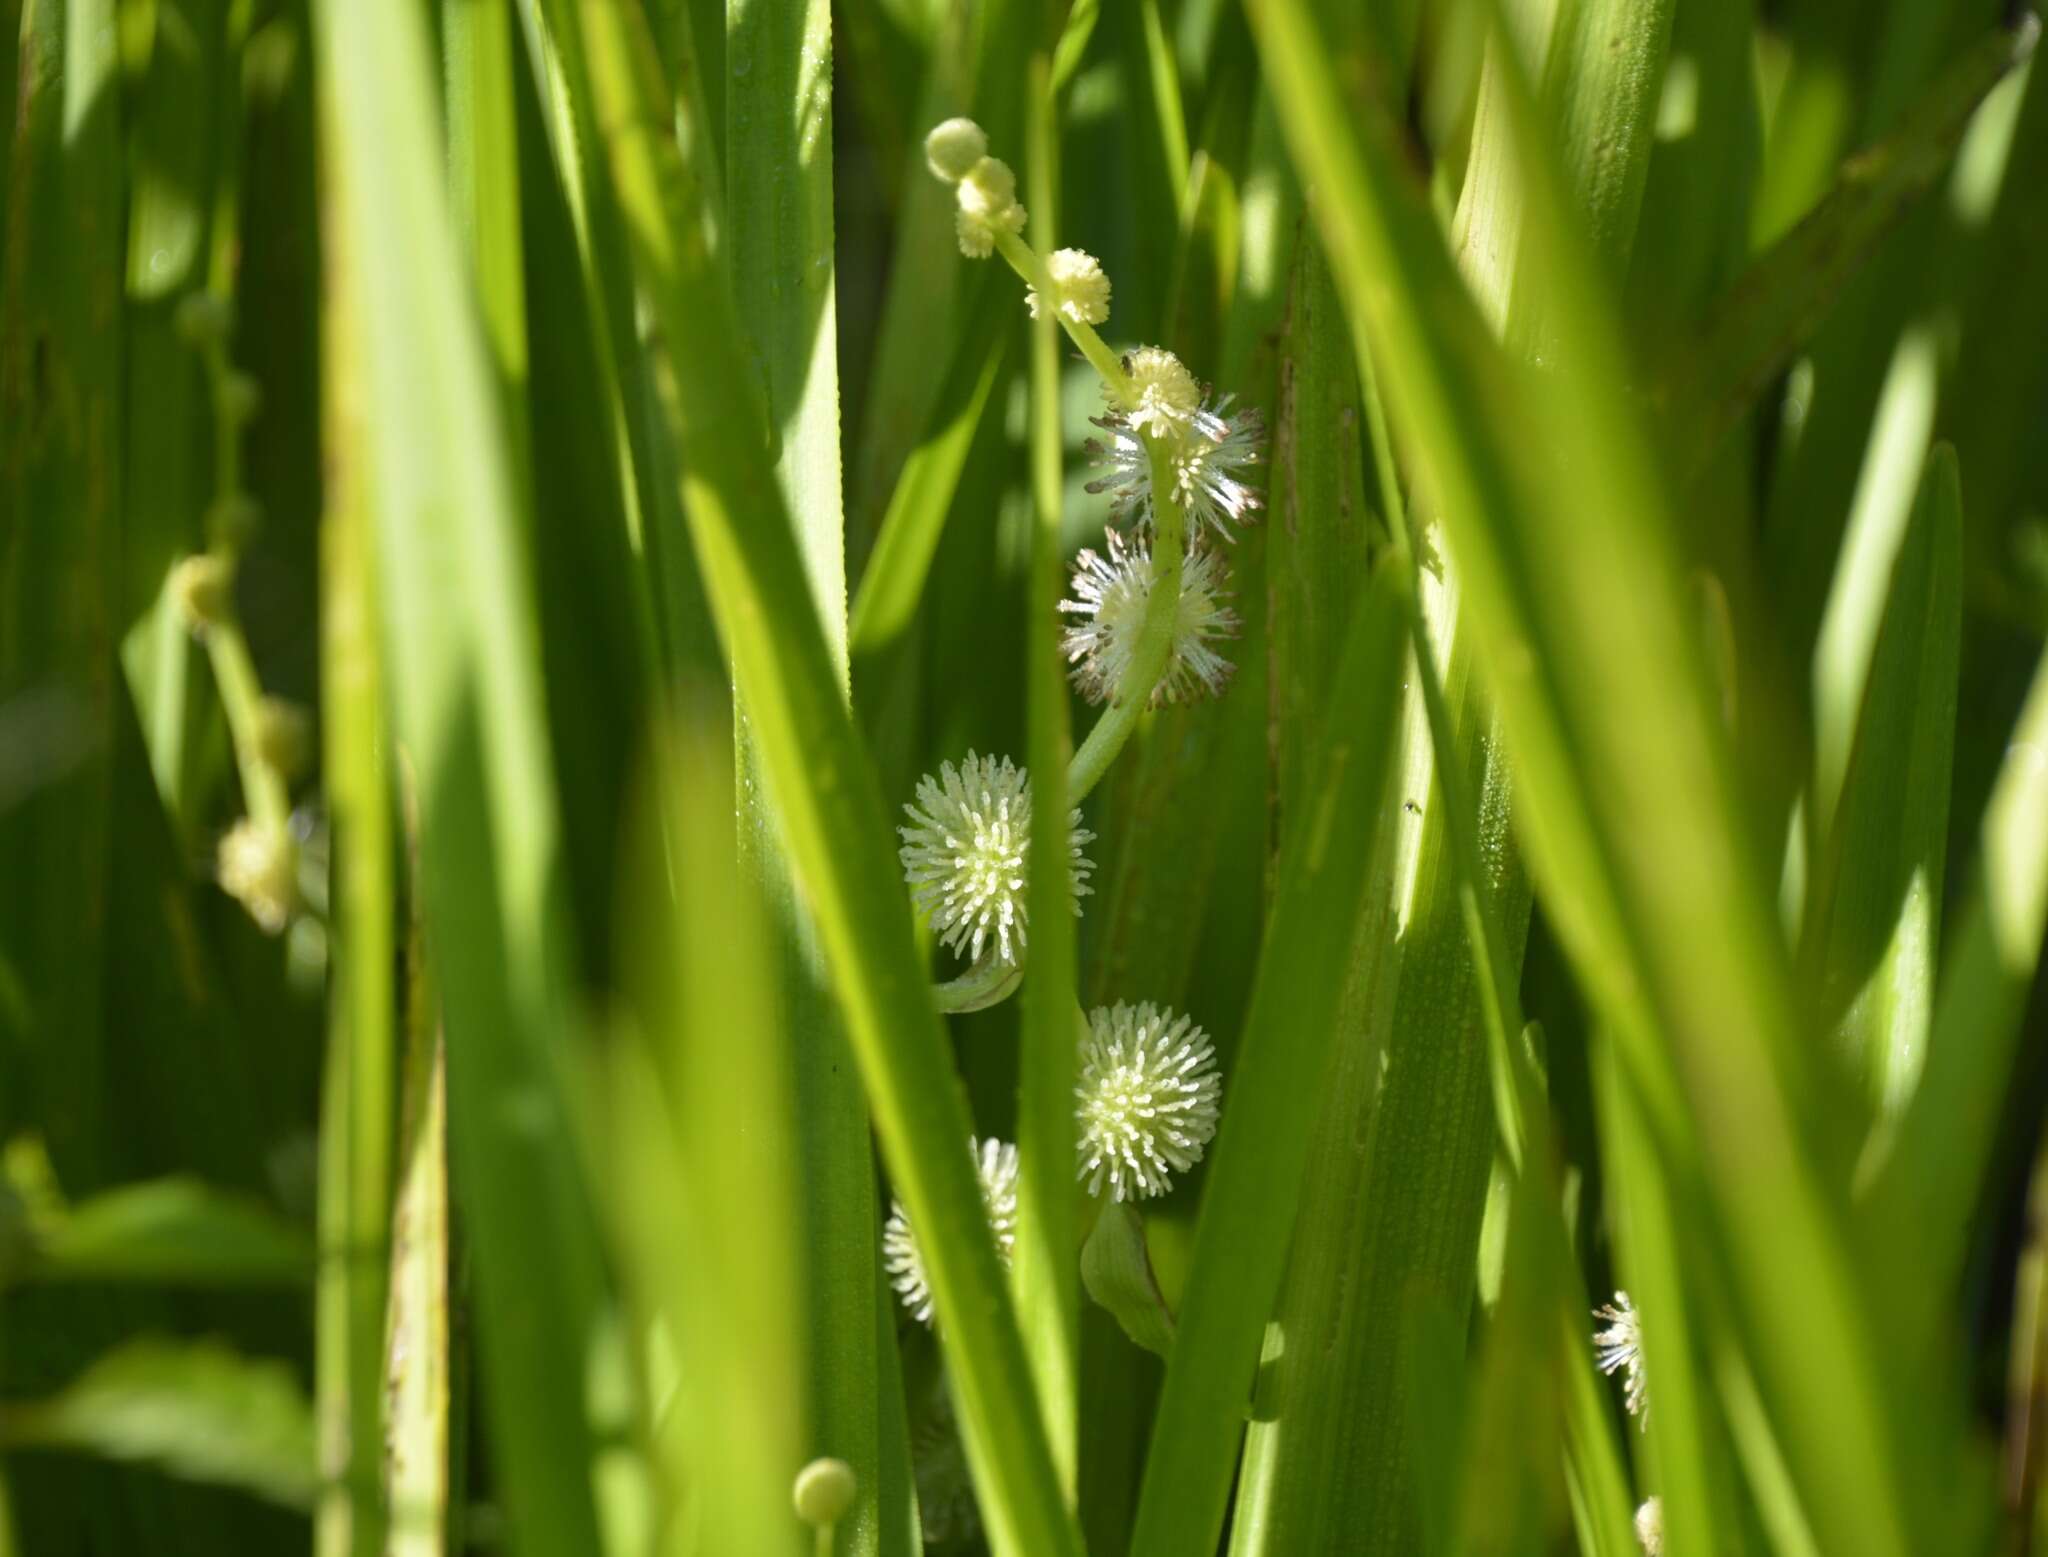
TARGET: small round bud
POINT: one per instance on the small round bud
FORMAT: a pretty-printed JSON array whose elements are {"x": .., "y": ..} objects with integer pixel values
[
  {"x": 258, "y": 867},
  {"x": 988, "y": 205},
  {"x": 204, "y": 319},
  {"x": 988, "y": 188},
  {"x": 824, "y": 1491},
  {"x": 240, "y": 398},
  {"x": 953, "y": 148},
  {"x": 1080, "y": 291},
  {"x": 231, "y": 521},
  {"x": 204, "y": 588},
  {"x": 283, "y": 736}
]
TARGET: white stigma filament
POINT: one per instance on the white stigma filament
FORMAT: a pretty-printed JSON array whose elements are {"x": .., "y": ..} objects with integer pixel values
[{"x": 1619, "y": 1348}]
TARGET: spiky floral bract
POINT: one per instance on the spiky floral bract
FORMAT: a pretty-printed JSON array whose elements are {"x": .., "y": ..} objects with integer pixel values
[
  {"x": 1208, "y": 460},
  {"x": 1146, "y": 1099},
  {"x": 1619, "y": 1347},
  {"x": 995, "y": 1162},
  {"x": 965, "y": 850},
  {"x": 1110, "y": 594}
]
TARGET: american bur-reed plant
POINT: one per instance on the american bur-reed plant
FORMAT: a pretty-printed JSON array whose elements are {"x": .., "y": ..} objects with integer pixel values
[{"x": 1149, "y": 778}]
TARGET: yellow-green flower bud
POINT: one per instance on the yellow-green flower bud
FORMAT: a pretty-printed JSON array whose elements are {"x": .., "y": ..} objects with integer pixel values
[
  {"x": 258, "y": 867},
  {"x": 953, "y": 148},
  {"x": 824, "y": 1491},
  {"x": 204, "y": 588},
  {"x": 988, "y": 205}
]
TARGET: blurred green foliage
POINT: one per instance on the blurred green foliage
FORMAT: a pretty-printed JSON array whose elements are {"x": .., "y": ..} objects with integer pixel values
[{"x": 1620, "y": 860}]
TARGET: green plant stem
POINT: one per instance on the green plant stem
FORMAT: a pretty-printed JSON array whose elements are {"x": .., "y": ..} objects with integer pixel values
[
  {"x": 1494, "y": 969},
  {"x": 1026, "y": 261},
  {"x": 1044, "y": 1272},
  {"x": 1155, "y": 636},
  {"x": 355, "y": 1126},
  {"x": 241, "y": 698},
  {"x": 1259, "y": 1157}
]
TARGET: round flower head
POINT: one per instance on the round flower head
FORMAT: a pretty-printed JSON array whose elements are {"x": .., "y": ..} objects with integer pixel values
[
  {"x": 996, "y": 1163},
  {"x": 1147, "y": 1099},
  {"x": 258, "y": 867},
  {"x": 964, "y": 853},
  {"x": 1080, "y": 290},
  {"x": 1111, "y": 594},
  {"x": 987, "y": 195},
  {"x": 953, "y": 148},
  {"x": 1207, "y": 461},
  {"x": 1166, "y": 391},
  {"x": 1650, "y": 1527},
  {"x": 1619, "y": 1347}
]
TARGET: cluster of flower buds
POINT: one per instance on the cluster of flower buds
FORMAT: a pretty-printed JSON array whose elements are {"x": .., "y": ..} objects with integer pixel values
[{"x": 257, "y": 859}]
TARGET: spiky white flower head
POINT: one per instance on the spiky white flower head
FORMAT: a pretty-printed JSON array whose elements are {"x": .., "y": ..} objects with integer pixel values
[
  {"x": 987, "y": 194},
  {"x": 1619, "y": 1347},
  {"x": 1110, "y": 596},
  {"x": 953, "y": 147},
  {"x": 996, "y": 1163},
  {"x": 964, "y": 854},
  {"x": 257, "y": 866},
  {"x": 1166, "y": 391},
  {"x": 1208, "y": 461},
  {"x": 1650, "y": 1527},
  {"x": 1080, "y": 291},
  {"x": 1146, "y": 1099}
]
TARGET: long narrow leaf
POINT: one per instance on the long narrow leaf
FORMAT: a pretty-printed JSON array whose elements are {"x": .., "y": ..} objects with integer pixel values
[
  {"x": 778, "y": 240},
  {"x": 825, "y": 793},
  {"x": 1272, "y": 1094},
  {"x": 455, "y": 605},
  {"x": 1605, "y": 699}
]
